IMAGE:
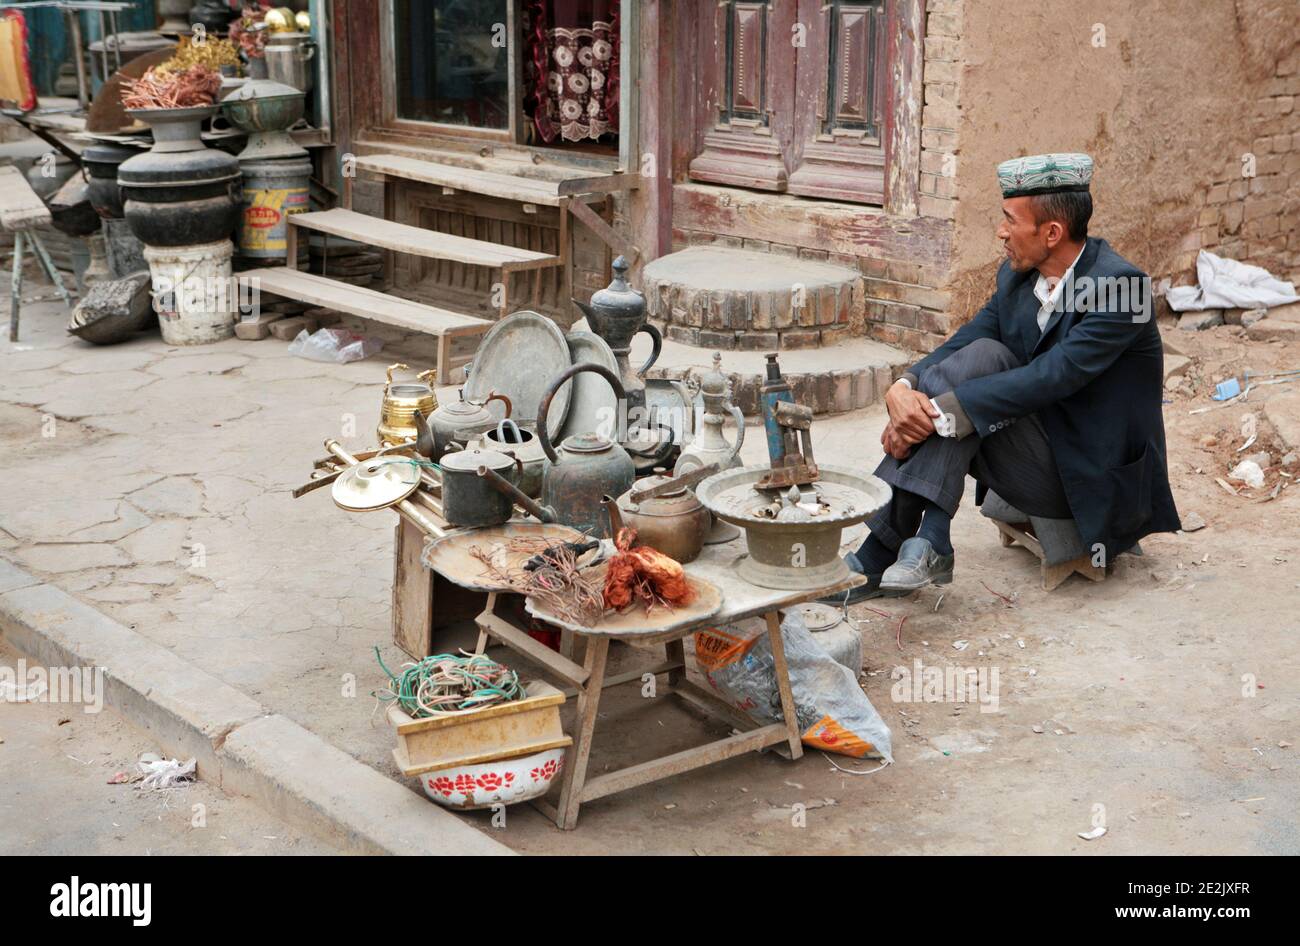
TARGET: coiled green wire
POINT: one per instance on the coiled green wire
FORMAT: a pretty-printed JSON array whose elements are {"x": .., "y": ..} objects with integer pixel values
[{"x": 448, "y": 683}]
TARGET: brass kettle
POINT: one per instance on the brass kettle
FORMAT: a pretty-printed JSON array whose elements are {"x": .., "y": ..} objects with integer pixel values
[{"x": 401, "y": 400}]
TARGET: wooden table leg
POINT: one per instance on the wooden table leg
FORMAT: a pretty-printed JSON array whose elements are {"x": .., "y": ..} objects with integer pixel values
[
  {"x": 783, "y": 683},
  {"x": 483, "y": 636},
  {"x": 676, "y": 653},
  {"x": 16, "y": 287},
  {"x": 575, "y": 768}
]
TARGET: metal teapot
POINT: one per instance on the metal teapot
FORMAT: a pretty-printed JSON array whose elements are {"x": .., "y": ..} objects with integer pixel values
[
  {"x": 397, "y": 422},
  {"x": 665, "y": 513},
  {"x": 585, "y": 468},
  {"x": 617, "y": 314},
  {"x": 455, "y": 424}
]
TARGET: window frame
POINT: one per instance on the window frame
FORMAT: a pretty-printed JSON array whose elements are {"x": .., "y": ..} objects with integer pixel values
[{"x": 414, "y": 132}]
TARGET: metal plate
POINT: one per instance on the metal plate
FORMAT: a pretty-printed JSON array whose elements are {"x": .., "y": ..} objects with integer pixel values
[
  {"x": 451, "y": 558},
  {"x": 593, "y": 405},
  {"x": 519, "y": 357},
  {"x": 634, "y": 623}
]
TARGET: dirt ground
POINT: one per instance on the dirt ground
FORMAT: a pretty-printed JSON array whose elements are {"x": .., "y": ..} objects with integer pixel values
[
  {"x": 1168, "y": 696},
  {"x": 56, "y": 798}
]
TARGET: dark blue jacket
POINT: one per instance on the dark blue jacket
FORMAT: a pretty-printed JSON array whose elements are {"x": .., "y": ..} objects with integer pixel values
[{"x": 1094, "y": 378}]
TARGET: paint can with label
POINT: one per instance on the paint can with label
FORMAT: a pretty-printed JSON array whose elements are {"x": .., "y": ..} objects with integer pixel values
[{"x": 273, "y": 189}]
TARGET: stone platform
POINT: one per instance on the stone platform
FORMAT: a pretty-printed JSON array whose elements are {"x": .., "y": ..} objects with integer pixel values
[{"x": 724, "y": 298}]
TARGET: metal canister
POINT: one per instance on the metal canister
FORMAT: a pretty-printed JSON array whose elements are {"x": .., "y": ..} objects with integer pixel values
[
  {"x": 273, "y": 189},
  {"x": 775, "y": 389},
  {"x": 288, "y": 59},
  {"x": 837, "y": 636}
]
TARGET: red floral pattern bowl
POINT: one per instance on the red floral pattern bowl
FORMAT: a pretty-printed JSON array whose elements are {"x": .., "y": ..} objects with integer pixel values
[{"x": 506, "y": 781}]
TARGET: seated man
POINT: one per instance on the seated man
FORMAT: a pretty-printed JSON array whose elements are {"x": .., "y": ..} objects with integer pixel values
[{"x": 1050, "y": 396}]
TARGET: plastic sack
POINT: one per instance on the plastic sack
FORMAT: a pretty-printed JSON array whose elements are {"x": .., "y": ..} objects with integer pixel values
[
  {"x": 833, "y": 712},
  {"x": 335, "y": 345}
]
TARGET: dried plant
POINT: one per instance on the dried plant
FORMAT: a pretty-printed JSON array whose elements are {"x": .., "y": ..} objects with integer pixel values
[{"x": 197, "y": 85}]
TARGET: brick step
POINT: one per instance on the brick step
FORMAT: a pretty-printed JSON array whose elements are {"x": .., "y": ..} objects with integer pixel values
[{"x": 850, "y": 375}]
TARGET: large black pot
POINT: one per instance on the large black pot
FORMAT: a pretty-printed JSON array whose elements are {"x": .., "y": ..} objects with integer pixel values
[
  {"x": 180, "y": 198},
  {"x": 101, "y": 162},
  {"x": 214, "y": 15}
]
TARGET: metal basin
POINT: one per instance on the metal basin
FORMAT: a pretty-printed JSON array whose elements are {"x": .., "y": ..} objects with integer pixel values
[{"x": 793, "y": 554}]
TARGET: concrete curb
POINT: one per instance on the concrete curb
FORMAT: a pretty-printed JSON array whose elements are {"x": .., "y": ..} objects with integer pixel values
[{"x": 238, "y": 745}]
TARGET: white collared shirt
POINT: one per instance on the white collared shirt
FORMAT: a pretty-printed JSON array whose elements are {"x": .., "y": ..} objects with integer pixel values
[{"x": 1048, "y": 292}]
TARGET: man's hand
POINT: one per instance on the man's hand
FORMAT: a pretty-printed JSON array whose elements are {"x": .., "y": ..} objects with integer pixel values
[
  {"x": 894, "y": 445},
  {"x": 910, "y": 413}
]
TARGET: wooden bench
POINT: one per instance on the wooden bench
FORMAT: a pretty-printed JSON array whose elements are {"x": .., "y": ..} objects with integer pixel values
[
  {"x": 570, "y": 195},
  {"x": 401, "y": 238},
  {"x": 21, "y": 211},
  {"x": 376, "y": 306}
]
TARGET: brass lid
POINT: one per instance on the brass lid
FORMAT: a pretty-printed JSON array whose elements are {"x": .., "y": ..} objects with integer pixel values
[{"x": 375, "y": 484}]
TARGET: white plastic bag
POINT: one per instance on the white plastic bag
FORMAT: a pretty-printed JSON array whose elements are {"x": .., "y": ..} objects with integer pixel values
[
  {"x": 834, "y": 714},
  {"x": 335, "y": 345}
]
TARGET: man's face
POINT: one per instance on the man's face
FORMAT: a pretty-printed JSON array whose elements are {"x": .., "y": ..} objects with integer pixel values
[{"x": 1026, "y": 242}]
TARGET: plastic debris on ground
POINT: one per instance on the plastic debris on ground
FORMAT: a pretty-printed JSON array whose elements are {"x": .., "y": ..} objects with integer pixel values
[
  {"x": 1228, "y": 284},
  {"x": 334, "y": 345},
  {"x": 833, "y": 712},
  {"x": 1226, "y": 389},
  {"x": 1248, "y": 472},
  {"x": 161, "y": 774}
]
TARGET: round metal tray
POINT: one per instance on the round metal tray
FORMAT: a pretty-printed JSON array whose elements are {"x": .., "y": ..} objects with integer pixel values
[
  {"x": 519, "y": 357},
  {"x": 450, "y": 556},
  {"x": 634, "y": 623}
]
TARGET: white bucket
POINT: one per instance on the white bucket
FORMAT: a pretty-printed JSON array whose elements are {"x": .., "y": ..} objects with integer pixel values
[{"x": 194, "y": 292}]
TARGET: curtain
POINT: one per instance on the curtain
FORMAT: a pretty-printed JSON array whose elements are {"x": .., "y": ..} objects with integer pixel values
[{"x": 573, "y": 62}]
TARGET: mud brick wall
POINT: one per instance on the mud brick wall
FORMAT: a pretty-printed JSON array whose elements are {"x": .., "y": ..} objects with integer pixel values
[{"x": 1255, "y": 217}]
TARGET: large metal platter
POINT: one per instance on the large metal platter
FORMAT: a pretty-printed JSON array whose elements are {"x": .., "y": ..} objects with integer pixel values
[
  {"x": 634, "y": 623},
  {"x": 519, "y": 357},
  {"x": 451, "y": 557},
  {"x": 593, "y": 405}
]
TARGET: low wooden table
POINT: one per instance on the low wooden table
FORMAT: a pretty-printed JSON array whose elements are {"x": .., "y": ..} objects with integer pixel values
[
  {"x": 589, "y": 679},
  {"x": 413, "y": 592}
]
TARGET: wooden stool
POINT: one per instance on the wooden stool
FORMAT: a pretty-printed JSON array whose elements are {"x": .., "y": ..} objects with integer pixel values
[
  {"x": 1057, "y": 543},
  {"x": 1053, "y": 575}
]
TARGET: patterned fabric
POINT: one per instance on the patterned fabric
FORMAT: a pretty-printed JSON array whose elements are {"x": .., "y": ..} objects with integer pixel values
[
  {"x": 1044, "y": 174},
  {"x": 573, "y": 60}
]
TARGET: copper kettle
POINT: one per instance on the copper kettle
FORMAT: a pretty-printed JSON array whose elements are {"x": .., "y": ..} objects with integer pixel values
[{"x": 665, "y": 513}]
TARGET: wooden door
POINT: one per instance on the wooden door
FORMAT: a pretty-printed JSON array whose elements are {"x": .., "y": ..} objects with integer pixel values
[
  {"x": 839, "y": 142},
  {"x": 795, "y": 97},
  {"x": 746, "y": 68}
]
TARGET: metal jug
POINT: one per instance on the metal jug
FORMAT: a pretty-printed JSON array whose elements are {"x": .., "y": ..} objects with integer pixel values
[
  {"x": 617, "y": 314},
  {"x": 585, "y": 468},
  {"x": 709, "y": 444}
]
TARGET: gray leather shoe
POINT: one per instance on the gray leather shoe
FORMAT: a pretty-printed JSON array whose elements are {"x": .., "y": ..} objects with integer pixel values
[
  {"x": 861, "y": 593},
  {"x": 918, "y": 565}
]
